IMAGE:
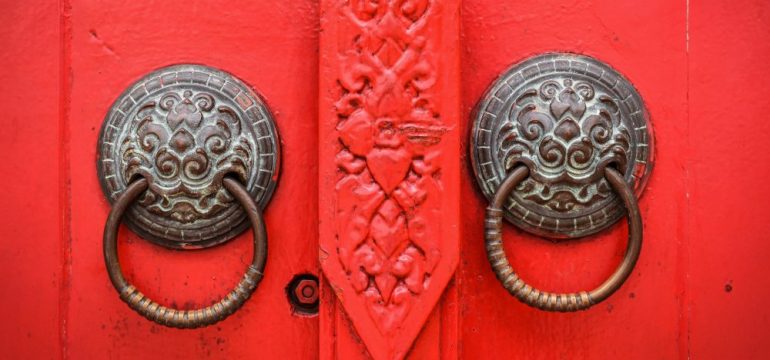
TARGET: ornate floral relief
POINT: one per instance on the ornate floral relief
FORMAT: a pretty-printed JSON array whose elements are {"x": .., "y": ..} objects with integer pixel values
[
  {"x": 389, "y": 180},
  {"x": 566, "y": 117},
  {"x": 184, "y": 128},
  {"x": 182, "y": 144},
  {"x": 552, "y": 128}
]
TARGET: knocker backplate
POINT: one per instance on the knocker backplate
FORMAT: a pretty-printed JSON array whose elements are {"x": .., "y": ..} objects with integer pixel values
[
  {"x": 184, "y": 128},
  {"x": 566, "y": 117}
]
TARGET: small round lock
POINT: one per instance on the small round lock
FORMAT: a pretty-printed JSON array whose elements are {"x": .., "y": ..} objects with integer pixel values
[
  {"x": 567, "y": 118},
  {"x": 184, "y": 128}
]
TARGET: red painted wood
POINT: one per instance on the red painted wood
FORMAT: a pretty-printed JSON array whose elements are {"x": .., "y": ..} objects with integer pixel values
[
  {"x": 388, "y": 173},
  {"x": 729, "y": 164},
  {"x": 30, "y": 210},
  {"x": 271, "y": 46},
  {"x": 646, "y": 42},
  {"x": 697, "y": 291}
]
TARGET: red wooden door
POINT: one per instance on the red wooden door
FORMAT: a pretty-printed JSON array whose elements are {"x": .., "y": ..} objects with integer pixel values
[
  {"x": 703, "y": 239},
  {"x": 374, "y": 103},
  {"x": 81, "y": 56}
]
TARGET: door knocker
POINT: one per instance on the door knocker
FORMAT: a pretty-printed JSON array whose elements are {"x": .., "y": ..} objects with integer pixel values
[
  {"x": 188, "y": 156},
  {"x": 562, "y": 147}
]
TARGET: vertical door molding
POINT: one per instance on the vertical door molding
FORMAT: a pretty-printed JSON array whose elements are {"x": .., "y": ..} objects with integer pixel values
[{"x": 389, "y": 158}]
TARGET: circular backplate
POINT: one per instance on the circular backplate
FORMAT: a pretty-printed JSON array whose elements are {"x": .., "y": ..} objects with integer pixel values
[
  {"x": 184, "y": 128},
  {"x": 566, "y": 117}
]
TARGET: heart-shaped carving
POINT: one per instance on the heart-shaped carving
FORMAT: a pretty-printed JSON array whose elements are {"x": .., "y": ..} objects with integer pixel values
[
  {"x": 388, "y": 167},
  {"x": 567, "y": 130},
  {"x": 185, "y": 112},
  {"x": 385, "y": 283},
  {"x": 388, "y": 228},
  {"x": 181, "y": 141},
  {"x": 568, "y": 100}
]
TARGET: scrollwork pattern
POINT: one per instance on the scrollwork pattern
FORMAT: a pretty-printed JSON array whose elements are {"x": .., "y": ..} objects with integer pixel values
[
  {"x": 566, "y": 117},
  {"x": 194, "y": 143},
  {"x": 553, "y": 129},
  {"x": 184, "y": 128}
]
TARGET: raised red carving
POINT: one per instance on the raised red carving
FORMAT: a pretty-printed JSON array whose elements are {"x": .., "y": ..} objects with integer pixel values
[{"x": 388, "y": 236}]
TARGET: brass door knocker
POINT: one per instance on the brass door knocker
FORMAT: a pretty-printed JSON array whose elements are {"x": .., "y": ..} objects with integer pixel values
[
  {"x": 189, "y": 157},
  {"x": 561, "y": 147}
]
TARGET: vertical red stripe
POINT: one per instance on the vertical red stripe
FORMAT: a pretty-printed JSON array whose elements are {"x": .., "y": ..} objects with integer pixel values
[{"x": 389, "y": 174}]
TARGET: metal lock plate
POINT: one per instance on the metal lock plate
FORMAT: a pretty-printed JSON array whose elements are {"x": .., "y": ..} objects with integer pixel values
[
  {"x": 566, "y": 117},
  {"x": 184, "y": 128}
]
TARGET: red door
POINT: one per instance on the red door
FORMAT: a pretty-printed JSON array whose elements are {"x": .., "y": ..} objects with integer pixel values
[
  {"x": 379, "y": 180},
  {"x": 82, "y": 56},
  {"x": 695, "y": 290}
]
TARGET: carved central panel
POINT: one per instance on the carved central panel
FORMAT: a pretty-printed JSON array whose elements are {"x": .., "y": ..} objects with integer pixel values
[{"x": 389, "y": 182}]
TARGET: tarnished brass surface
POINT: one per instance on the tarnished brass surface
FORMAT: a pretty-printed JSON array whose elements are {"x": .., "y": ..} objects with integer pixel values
[
  {"x": 184, "y": 128},
  {"x": 185, "y": 318},
  {"x": 566, "y": 117},
  {"x": 553, "y": 301}
]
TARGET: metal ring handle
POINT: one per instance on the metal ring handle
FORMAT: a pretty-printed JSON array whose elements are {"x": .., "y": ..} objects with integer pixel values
[
  {"x": 550, "y": 301},
  {"x": 188, "y": 319}
]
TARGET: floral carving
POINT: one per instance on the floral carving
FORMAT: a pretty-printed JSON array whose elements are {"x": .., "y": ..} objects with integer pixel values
[
  {"x": 552, "y": 129},
  {"x": 183, "y": 128},
  {"x": 389, "y": 180},
  {"x": 566, "y": 117},
  {"x": 183, "y": 144}
]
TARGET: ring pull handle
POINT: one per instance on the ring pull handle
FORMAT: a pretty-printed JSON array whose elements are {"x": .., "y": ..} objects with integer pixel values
[
  {"x": 550, "y": 127},
  {"x": 553, "y": 301},
  {"x": 185, "y": 318}
]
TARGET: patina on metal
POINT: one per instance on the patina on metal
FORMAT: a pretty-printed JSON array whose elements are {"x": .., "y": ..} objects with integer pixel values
[
  {"x": 554, "y": 301},
  {"x": 184, "y": 128},
  {"x": 189, "y": 154},
  {"x": 567, "y": 118},
  {"x": 186, "y": 319}
]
